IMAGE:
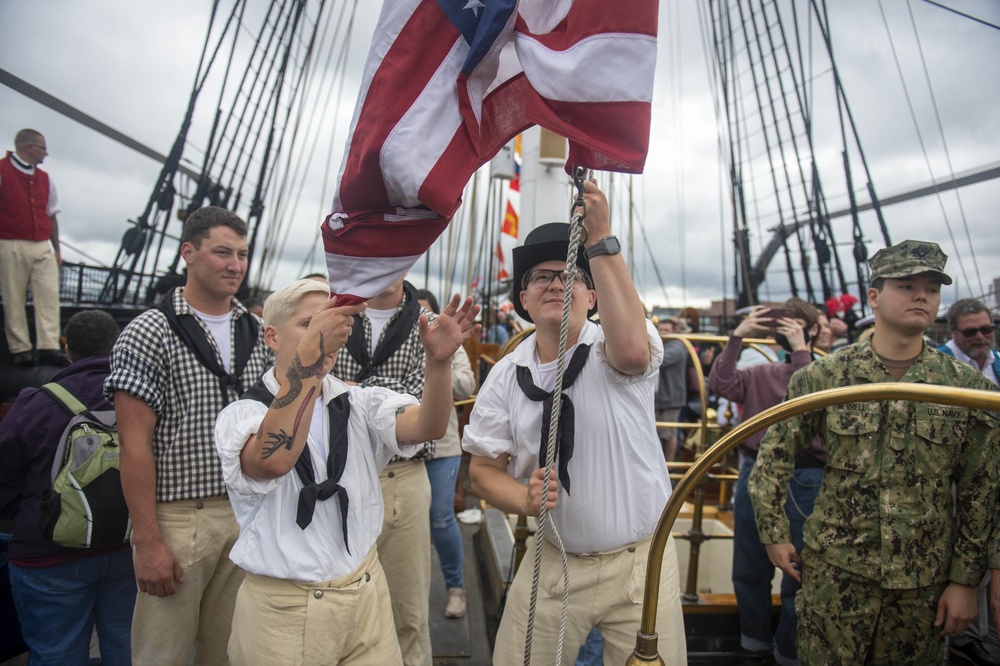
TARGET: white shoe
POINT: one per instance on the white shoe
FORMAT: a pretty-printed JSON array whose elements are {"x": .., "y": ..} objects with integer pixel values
[{"x": 456, "y": 602}]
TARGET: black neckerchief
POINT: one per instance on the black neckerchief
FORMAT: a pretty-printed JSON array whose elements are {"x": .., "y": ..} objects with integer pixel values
[
  {"x": 339, "y": 410},
  {"x": 566, "y": 434},
  {"x": 393, "y": 337},
  {"x": 190, "y": 332}
]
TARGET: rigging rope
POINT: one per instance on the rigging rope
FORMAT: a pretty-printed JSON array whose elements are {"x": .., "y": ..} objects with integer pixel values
[
  {"x": 963, "y": 14},
  {"x": 947, "y": 154},
  {"x": 578, "y": 212}
]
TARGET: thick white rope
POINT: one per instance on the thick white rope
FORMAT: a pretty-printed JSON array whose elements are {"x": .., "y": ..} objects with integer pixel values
[{"x": 544, "y": 521}]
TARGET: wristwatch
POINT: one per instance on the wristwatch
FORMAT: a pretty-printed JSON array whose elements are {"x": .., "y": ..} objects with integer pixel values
[{"x": 607, "y": 245}]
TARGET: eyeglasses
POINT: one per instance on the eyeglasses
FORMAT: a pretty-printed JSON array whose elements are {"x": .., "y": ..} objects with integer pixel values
[
  {"x": 971, "y": 332},
  {"x": 38, "y": 145},
  {"x": 543, "y": 277}
]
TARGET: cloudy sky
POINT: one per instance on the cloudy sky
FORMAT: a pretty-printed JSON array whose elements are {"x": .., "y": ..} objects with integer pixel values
[{"x": 131, "y": 65}]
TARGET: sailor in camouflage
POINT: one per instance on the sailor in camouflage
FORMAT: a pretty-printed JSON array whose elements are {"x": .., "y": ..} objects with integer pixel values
[{"x": 891, "y": 562}]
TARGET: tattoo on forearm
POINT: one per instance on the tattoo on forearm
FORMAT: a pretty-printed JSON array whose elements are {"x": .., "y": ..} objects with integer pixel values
[
  {"x": 282, "y": 439},
  {"x": 400, "y": 410},
  {"x": 302, "y": 410},
  {"x": 276, "y": 441},
  {"x": 296, "y": 373}
]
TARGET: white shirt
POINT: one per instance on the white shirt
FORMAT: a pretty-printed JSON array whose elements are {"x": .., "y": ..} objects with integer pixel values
[
  {"x": 378, "y": 319},
  {"x": 619, "y": 479},
  {"x": 270, "y": 542},
  {"x": 987, "y": 369},
  {"x": 219, "y": 326}
]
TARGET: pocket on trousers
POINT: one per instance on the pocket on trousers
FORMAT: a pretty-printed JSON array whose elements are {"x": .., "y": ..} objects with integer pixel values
[
  {"x": 290, "y": 604},
  {"x": 177, "y": 528},
  {"x": 550, "y": 579},
  {"x": 637, "y": 581}
]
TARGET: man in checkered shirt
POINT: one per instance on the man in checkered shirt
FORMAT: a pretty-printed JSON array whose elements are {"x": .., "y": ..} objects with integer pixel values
[
  {"x": 167, "y": 401},
  {"x": 389, "y": 354}
]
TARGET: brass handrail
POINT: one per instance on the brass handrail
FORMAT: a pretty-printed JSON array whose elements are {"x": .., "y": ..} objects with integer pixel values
[{"x": 646, "y": 639}]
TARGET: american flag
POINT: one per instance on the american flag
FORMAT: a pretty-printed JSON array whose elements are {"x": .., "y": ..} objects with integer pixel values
[{"x": 447, "y": 83}]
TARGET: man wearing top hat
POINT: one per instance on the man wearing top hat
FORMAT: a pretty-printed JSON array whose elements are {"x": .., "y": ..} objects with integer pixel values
[
  {"x": 609, "y": 484},
  {"x": 891, "y": 558}
]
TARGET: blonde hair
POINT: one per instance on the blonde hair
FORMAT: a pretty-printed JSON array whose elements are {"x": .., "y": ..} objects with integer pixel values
[{"x": 280, "y": 305}]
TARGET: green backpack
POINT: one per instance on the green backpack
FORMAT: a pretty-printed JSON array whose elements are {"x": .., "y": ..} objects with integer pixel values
[{"x": 86, "y": 506}]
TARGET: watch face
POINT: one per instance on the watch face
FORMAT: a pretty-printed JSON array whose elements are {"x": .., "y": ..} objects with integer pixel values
[{"x": 609, "y": 245}]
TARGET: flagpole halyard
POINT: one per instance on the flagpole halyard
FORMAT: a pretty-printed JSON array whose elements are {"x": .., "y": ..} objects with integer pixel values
[{"x": 577, "y": 236}]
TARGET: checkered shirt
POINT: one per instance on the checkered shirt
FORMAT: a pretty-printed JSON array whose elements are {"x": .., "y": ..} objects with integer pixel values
[
  {"x": 151, "y": 363},
  {"x": 403, "y": 372}
]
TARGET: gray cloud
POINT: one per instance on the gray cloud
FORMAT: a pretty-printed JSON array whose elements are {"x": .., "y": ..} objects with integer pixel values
[{"x": 131, "y": 65}]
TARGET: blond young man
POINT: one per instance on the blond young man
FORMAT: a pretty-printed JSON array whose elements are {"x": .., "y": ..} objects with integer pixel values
[{"x": 301, "y": 453}]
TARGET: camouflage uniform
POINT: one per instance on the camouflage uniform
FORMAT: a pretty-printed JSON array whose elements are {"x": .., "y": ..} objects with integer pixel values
[{"x": 882, "y": 542}]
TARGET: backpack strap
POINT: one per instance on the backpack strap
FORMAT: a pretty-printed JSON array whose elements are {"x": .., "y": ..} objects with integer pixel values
[
  {"x": 190, "y": 332},
  {"x": 68, "y": 401},
  {"x": 74, "y": 408},
  {"x": 72, "y": 404}
]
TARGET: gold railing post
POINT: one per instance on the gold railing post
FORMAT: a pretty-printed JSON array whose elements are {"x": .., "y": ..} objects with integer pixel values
[{"x": 646, "y": 640}]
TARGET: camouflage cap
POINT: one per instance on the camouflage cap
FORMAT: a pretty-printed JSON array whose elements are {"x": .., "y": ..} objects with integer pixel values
[{"x": 911, "y": 257}]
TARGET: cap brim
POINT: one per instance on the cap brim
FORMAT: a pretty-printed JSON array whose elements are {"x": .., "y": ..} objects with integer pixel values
[{"x": 945, "y": 278}]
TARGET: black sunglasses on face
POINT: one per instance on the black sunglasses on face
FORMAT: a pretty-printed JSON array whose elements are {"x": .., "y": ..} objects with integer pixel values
[{"x": 971, "y": 332}]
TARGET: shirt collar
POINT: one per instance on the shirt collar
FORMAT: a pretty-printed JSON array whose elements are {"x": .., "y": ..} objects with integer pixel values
[
  {"x": 524, "y": 353},
  {"x": 181, "y": 305},
  {"x": 332, "y": 386},
  {"x": 965, "y": 358},
  {"x": 20, "y": 164},
  {"x": 873, "y": 370}
]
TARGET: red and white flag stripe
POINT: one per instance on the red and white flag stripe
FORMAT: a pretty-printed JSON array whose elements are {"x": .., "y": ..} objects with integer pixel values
[{"x": 448, "y": 83}]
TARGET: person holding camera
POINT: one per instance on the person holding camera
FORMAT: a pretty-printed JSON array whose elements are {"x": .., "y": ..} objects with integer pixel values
[{"x": 758, "y": 388}]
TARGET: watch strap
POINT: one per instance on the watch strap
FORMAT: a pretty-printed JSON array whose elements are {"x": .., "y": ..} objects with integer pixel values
[{"x": 601, "y": 247}]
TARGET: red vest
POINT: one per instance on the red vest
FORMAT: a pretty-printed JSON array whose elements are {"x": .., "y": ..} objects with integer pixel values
[{"x": 24, "y": 202}]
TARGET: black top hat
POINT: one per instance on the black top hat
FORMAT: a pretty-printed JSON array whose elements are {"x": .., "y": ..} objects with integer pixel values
[{"x": 545, "y": 243}]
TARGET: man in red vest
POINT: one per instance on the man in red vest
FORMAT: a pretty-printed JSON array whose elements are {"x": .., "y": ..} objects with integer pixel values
[{"x": 27, "y": 224}]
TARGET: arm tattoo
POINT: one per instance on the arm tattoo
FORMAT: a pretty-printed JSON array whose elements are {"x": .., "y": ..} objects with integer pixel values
[
  {"x": 400, "y": 410},
  {"x": 277, "y": 440},
  {"x": 296, "y": 373}
]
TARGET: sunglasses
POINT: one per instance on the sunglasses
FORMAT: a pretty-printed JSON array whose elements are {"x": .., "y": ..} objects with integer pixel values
[{"x": 971, "y": 332}]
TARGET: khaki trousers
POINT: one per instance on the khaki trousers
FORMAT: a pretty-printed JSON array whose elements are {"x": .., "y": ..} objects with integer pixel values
[
  {"x": 200, "y": 533},
  {"x": 404, "y": 548},
  {"x": 23, "y": 263},
  {"x": 604, "y": 591},
  {"x": 343, "y": 621}
]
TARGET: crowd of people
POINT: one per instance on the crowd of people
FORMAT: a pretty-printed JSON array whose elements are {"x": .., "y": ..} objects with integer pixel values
[{"x": 288, "y": 474}]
